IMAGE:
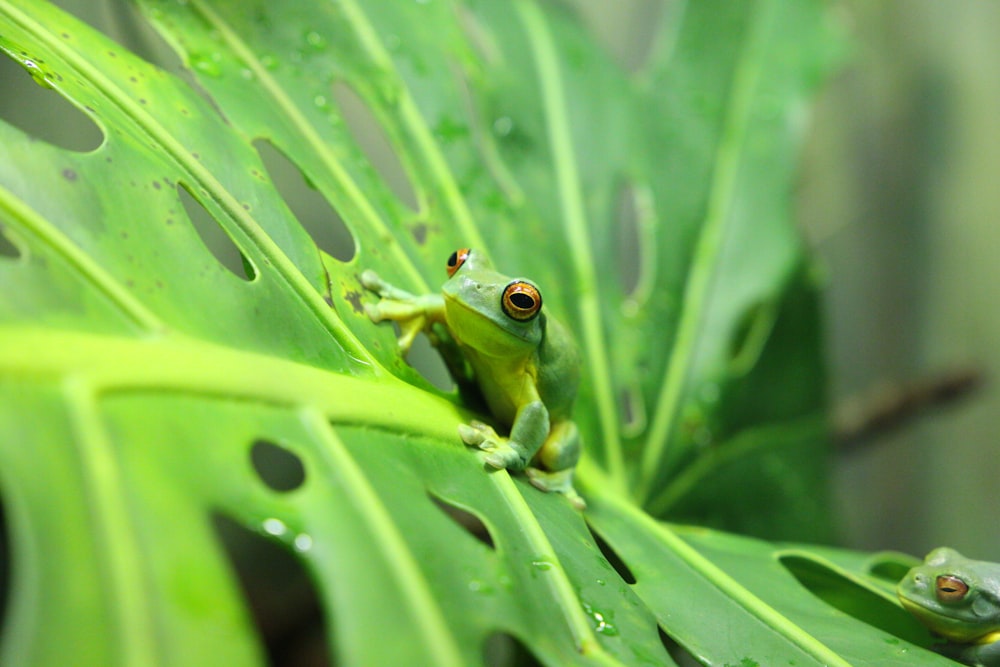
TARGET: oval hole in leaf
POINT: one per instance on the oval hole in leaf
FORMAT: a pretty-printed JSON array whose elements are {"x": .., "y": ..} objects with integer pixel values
[
  {"x": 750, "y": 336},
  {"x": 466, "y": 519},
  {"x": 613, "y": 558},
  {"x": 427, "y": 361},
  {"x": 888, "y": 570},
  {"x": 29, "y": 104},
  {"x": 633, "y": 409},
  {"x": 501, "y": 649},
  {"x": 280, "y": 595},
  {"x": 373, "y": 140},
  {"x": 680, "y": 655},
  {"x": 854, "y": 600},
  {"x": 629, "y": 254},
  {"x": 8, "y": 249},
  {"x": 214, "y": 236},
  {"x": 279, "y": 468},
  {"x": 311, "y": 208}
]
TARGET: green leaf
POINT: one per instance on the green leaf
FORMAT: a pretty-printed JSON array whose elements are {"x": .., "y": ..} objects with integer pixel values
[{"x": 166, "y": 314}]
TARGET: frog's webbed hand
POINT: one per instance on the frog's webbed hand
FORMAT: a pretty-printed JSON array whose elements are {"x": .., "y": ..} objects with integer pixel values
[
  {"x": 531, "y": 426},
  {"x": 413, "y": 313}
]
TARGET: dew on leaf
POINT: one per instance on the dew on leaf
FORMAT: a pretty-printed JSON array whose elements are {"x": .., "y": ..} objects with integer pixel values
[
  {"x": 503, "y": 126},
  {"x": 303, "y": 542},
  {"x": 274, "y": 527}
]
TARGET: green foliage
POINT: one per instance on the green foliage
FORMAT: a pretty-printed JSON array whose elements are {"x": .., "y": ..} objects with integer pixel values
[{"x": 137, "y": 370}]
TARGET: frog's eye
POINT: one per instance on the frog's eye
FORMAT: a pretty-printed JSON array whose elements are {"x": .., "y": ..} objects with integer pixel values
[
  {"x": 521, "y": 301},
  {"x": 456, "y": 260},
  {"x": 950, "y": 588}
]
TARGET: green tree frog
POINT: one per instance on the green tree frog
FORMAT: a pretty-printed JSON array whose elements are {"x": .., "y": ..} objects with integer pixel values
[
  {"x": 524, "y": 362},
  {"x": 958, "y": 599}
]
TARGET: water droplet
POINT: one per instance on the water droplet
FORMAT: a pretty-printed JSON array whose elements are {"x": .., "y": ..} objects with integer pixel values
[
  {"x": 601, "y": 582},
  {"x": 303, "y": 542},
  {"x": 602, "y": 624},
  {"x": 315, "y": 40},
  {"x": 542, "y": 565},
  {"x": 269, "y": 62},
  {"x": 207, "y": 64},
  {"x": 275, "y": 527},
  {"x": 247, "y": 73},
  {"x": 503, "y": 126},
  {"x": 321, "y": 102},
  {"x": 477, "y": 586}
]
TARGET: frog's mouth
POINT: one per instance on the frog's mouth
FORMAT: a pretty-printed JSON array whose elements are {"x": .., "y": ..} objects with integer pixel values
[{"x": 939, "y": 623}]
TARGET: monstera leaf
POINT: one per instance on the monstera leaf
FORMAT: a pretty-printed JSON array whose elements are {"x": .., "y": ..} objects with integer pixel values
[{"x": 174, "y": 339}]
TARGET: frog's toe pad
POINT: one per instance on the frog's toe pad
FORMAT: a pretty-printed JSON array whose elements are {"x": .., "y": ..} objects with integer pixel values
[
  {"x": 556, "y": 482},
  {"x": 504, "y": 457},
  {"x": 478, "y": 434}
]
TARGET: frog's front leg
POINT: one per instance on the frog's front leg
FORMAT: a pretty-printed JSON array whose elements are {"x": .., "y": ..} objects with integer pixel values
[
  {"x": 531, "y": 427},
  {"x": 552, "y": 469},
  {"x": 413, "y": 313}
]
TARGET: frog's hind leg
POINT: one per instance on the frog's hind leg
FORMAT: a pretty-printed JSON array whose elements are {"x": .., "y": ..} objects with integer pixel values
[{"x": 552, "y": 468}]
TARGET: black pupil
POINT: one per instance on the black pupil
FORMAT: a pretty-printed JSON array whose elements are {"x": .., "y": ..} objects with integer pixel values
[
  {"x": 522, "y": 301},
  {"x": 453, "y": 260}
]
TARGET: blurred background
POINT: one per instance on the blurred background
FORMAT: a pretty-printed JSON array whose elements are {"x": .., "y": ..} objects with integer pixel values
[{"x": 898, "y": 199}]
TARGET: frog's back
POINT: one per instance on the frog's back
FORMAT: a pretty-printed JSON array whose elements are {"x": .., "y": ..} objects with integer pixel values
[{"x": 558, "y": 369}]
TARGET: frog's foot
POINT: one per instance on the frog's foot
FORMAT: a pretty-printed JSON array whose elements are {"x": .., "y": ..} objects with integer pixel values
[
  {"x": 498, "y": 452},
  {"x": 560, "y": 481}
]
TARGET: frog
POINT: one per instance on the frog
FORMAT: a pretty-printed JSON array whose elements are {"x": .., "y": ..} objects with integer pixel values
[
  {"x": 958, "y": 599},
  {"x": 523, "y": 361}
]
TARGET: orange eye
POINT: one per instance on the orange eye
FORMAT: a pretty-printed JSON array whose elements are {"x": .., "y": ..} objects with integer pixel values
[
  {"x": 521, "y": 301},
  {"x": 456, "y": 260},
  {"x": 950, "y": 588}
]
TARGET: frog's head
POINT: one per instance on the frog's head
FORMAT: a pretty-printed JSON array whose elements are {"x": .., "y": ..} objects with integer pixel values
[
  {"x": 488, "y": 311},
  {"x": 954, "y": 596}
]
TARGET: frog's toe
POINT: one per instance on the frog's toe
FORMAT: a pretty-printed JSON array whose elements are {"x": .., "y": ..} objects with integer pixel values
[
  {"x": 560, "y": 481},
  {"x": 371, "y": 280},
  {"x": 478, "y": 434},
  {"x": 373, "y": 312},
  {"x": 504, "y": 458}
]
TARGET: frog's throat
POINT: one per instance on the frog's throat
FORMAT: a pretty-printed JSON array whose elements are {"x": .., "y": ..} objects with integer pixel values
[{"x": 919, "y": 610}]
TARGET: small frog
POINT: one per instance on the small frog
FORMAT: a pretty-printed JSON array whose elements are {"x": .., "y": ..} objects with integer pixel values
[
  {"x": 524, "y": 362},
  {"x": 958, "y": 599}
]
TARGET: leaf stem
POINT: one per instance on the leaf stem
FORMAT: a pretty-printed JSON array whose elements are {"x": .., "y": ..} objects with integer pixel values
[
  {"x": 575, "y": 220},
  {"x": 701, "y": 273},
  {"x": 29, "y": 220},
  {"x": 439, "y": 643}
]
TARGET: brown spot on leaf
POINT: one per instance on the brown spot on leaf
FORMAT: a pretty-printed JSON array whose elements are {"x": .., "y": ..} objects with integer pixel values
[{"x": 353, "y": 297}]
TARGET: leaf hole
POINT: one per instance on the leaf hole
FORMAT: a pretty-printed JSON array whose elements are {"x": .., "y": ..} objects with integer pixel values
[
  {"x": 8, "y": 249},
  {"x": 32, "y": 105},
  {"x": 750, "y": 336},
  {"x": 468, "y": 521},
  {"x": 309, "y": 206},
  {"x": 635, "y": 218},
  {"x": 854, "y": 600},
  {"x": 888, "y": 569},
  {"x": 614, "y": 560},
  {"x": 279, "y": 468},
  {"x": 215, "y": 238},
  {"x": 680, "y": 655},
  {"x": 279, "y": 594},
  {"x": 633, "y": 411},
  {"x": 426, "y": 359},
  {"x": 373, "y": 140},
  {"x": 502, "y": 649}
]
